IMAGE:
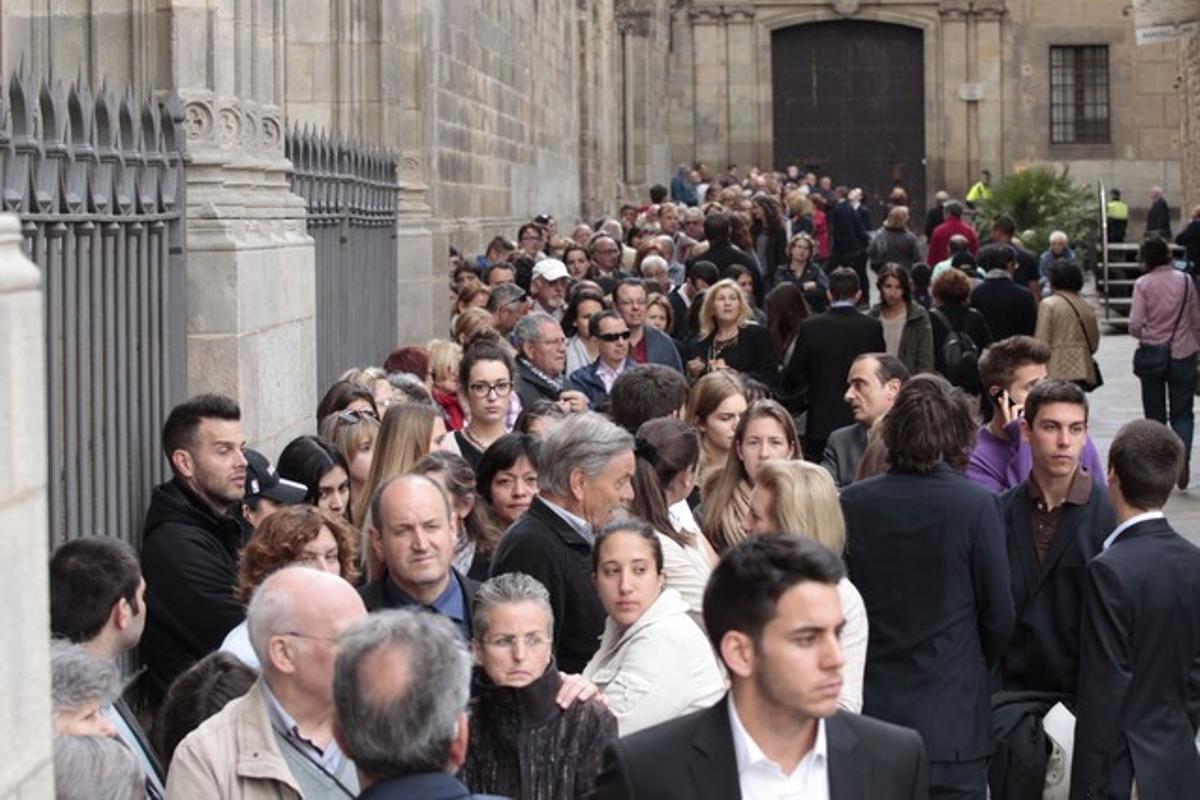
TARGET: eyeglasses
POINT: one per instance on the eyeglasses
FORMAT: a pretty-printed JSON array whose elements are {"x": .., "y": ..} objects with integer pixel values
[
  {"x": 532, "y": 641},
  {"x": 482, "y": 390},
  {"x": 298, "y": 635},
  {"x": 351, "y": 417},
  {"x": 614, "y": 336},
  {"x": 559, "y": 342}
]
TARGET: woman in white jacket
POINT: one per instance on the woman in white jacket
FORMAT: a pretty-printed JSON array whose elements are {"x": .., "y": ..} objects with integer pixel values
[
  {"x": 801, "y": 498},
  {"x": 654, "y": 663}
]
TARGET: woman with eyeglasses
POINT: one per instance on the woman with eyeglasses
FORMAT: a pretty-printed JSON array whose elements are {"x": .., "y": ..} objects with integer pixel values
[
  {"x": 654, "y": 663},
  {"x": 485, "y": 386},
  {"x": 293, "y": 536},
  {"x": 523, "y": 743}
]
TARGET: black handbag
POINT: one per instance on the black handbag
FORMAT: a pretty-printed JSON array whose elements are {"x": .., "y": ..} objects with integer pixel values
[
  {"x": 1086, "y": 385},
  {"x": 1153, "y": 360}
]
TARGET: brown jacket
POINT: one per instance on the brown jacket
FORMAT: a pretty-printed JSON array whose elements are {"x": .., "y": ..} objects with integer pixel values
[
  {"x": 233, "y": 755},
  {"x": 1058, "y": 326}
]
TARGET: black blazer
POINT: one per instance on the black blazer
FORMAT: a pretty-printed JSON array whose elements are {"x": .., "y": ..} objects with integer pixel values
[
  {"x": 531, "y": 387},
  {"x": 843, "y": 450},
  {"x": 826, "y": 346},
  {"x": 927, "y": 554},
  {"x": 692, "y": 758},
  {"x": 1139, "y": 668},
  {"x": 753, "y": 355},
  {"x": 847, "y": 234},
  {"x": 1007, "y": 308},
  {"x": 1043, "y": 654},
  {"x": 541, "y": 544}
]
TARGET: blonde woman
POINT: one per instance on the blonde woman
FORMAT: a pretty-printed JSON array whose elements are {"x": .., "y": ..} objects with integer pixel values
[
  {"x": 715, "y": 405},
  {"x": 353, "y": 433},
  {"x": 375, "y": 381},
  {"x": 801, "y": 498},
  {"x": 444, "y": 358},
  {"x": 729, "y": 338},
  {"x": 766, "y": 432}
]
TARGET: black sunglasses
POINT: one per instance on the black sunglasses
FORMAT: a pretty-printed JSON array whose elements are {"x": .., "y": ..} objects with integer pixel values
[{"x": 612, "y": 337}]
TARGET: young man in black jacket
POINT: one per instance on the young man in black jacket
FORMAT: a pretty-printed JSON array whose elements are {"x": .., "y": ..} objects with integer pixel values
[{"x": 191, "y": 539}]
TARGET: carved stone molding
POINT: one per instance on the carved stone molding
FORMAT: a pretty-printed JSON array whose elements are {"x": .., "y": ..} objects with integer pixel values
[
  {"x": 847, "y": 8},
  {"x": 708, "y": 15},
  {"x": 232, "y": 126},
  {"x": 961, "y": 9},
  {"x": 634, "y": 23}
]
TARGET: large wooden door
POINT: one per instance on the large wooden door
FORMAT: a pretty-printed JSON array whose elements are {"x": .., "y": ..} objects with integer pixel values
[{"x": 849, "y": 103}]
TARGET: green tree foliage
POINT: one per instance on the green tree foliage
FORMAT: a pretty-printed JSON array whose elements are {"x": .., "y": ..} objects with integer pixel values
[{"x": 1040, "y": 200}]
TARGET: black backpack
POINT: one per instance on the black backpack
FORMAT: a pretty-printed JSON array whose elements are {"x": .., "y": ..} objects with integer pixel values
[{"x": 960, "y": 355}]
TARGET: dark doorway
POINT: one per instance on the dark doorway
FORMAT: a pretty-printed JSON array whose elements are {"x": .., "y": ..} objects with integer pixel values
[{"x": 850, "y": 103}]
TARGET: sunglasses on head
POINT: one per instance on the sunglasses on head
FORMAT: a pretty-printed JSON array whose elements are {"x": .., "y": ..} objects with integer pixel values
[
  {"x": 614, "y": 336},
  {"x": 350, "y": 416}
]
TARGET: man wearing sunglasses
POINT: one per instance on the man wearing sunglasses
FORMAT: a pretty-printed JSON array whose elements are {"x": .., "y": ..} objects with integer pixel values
[{"x": 596, "y": 379}]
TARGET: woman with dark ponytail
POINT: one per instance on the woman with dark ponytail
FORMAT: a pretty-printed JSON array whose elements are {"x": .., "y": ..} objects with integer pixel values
[{"x": 667, "y": 452}]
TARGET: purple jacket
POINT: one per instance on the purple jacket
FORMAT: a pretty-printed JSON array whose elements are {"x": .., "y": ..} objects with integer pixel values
[{"x": 1000, "y": 465}]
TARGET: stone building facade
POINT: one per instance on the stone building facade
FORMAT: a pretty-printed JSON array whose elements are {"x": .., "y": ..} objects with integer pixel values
[{"x": 983, "y": 87}]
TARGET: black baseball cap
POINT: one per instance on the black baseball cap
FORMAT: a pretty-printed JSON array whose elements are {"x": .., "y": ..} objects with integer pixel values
[{"x": 263, "y": 481}]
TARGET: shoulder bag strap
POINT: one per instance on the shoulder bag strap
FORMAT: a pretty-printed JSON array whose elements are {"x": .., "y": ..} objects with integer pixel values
[
  {"x": 1079, "y": 317},
  {"x": 1187, "y": 288}
]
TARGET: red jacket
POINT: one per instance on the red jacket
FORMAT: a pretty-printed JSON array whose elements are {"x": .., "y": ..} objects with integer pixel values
[
  {"x": 939, "y": 243},
  {"x": 821, "y": 234}
]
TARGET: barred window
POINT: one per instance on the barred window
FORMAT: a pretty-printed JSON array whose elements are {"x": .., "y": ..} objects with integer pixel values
[{"x": 1079, "y": 95}]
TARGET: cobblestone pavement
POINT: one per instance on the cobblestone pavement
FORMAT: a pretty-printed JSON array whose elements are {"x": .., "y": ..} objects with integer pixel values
[{"x": 1120, "y": 400}]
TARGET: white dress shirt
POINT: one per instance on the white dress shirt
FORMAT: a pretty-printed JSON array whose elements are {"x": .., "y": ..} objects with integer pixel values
[
  {"x": 762, "y": 779},
  {"x": 1129, "y": 523}
]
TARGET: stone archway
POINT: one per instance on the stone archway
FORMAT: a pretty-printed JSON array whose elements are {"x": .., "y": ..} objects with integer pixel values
[{"x": 849, "y": 101}]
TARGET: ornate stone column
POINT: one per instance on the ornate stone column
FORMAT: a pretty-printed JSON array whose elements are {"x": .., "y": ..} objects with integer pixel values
[
  {"x": 741, "y": 78},
  {"x": 971, "y": 69},
  {"x": 642, "y": 27},
  {"x": 24, "y": 638},
  {"x": 251, "y": 286}
]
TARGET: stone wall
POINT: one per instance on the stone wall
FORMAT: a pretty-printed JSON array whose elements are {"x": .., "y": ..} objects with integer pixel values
[
  {"x": 25, "y": 635},
  {"x": 1189, "y": 67}
]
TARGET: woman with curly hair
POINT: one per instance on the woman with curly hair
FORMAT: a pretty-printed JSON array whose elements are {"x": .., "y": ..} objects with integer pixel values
[{"x": 301, "y": 536}]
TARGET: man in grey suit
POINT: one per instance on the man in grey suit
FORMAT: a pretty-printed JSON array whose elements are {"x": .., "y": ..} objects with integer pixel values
[
  {"x": 773, "y": 614},
  {"x": 871, "y": 388}
]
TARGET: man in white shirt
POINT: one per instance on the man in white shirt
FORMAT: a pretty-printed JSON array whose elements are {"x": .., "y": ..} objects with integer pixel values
[
  {"x": 773, "y": 614},
  {"x": 1139, "y": 634}
]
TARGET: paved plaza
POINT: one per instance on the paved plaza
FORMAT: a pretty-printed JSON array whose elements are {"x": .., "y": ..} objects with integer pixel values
[{"x": 1119, "y": 401}]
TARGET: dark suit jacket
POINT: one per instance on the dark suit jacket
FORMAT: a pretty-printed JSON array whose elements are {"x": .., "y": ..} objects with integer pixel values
[
  {"x": 843, "y": 450},
  {"x": 1158, "y": 218},
  {"x": 848, "y": 235},
  {"x": 692, "y": 758},
  {"x": 927, "y": 554},
  {"x": 1008, "y": 309},
  {"x": 541, "y": 544},
  {"x": 1043, "y": 654},
  {"x": 375, "y": 600},
  {"x": 1139, "y": 668},
  {"x": 826, "y": 346},
  {"x": 423, "y": 786},
  {"x": 660, "y": 349}
]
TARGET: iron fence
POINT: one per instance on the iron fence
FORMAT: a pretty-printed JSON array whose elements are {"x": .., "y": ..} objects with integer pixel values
[
  {"x": 98, "y": 182},
  {"x": 350, "y": 191}
]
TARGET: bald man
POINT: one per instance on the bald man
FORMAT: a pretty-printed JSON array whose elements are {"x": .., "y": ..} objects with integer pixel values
[
  {"x": 278, "y": 739},
  {"x": 412, "y": 534}
]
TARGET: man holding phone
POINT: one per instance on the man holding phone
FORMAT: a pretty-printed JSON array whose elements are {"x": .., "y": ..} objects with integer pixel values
[{"x": 1007, "y": 371}]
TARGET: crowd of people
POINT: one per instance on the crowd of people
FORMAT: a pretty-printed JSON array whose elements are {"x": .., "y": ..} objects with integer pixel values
[{"x": 672, "y": 510}]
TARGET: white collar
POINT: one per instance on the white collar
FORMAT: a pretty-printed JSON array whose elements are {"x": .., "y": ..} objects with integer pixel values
[
  {"x": 577, "y": 523},
  {"x": 1129, "y": 523},
  {"x": 748, "y": 753}
]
